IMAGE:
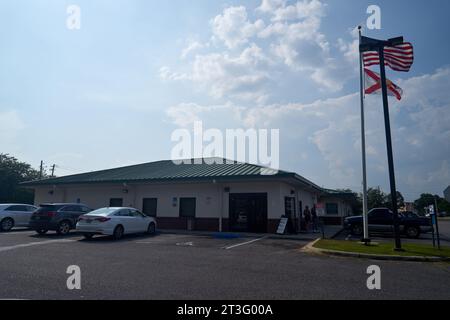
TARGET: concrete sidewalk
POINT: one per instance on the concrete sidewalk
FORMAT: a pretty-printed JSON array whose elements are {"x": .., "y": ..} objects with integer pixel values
[{"x": 329, "y": 233}]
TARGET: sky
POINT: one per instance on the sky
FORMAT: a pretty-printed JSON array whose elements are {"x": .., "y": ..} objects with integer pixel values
[{"x": 112, "y": 92}]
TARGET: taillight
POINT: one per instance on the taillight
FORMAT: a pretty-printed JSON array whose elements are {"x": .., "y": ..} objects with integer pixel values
[
  {"x": 103, "y": 219},
  {"x": 51, "y": 213}
]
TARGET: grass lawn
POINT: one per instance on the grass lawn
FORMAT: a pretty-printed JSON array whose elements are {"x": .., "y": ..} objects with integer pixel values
[{"x": 411, "y": 249}]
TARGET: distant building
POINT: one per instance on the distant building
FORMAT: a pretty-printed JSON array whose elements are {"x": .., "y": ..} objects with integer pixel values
[
  {"x": 447, "y": 194},
  {"x": 409, "y": 206}
]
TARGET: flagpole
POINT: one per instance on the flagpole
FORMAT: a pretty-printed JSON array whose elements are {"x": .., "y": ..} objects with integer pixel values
[
  {"x": 366, "y": 238},
  {"x": 398, "y": 244}
]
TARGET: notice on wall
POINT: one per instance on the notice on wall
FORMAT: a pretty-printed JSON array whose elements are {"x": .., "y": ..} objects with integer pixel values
[
  {"x": 282, "y": 226},
  {"x": 320, "y": 209}
]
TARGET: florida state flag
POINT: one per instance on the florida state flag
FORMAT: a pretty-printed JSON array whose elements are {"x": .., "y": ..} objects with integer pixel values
[{"x": 373, "y": 85}]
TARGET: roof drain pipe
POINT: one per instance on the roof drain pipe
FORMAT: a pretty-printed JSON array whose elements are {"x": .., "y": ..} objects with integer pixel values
[{"x": 219, "y": 189}]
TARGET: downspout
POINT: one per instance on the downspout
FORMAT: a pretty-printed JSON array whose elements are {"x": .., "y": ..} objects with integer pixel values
[{"x": 220, "y": 195}]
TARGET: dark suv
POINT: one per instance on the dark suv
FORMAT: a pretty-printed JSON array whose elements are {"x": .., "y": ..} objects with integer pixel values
[
  {"x": 60, "y": 217},
  {"x": 381, "y": 220}
]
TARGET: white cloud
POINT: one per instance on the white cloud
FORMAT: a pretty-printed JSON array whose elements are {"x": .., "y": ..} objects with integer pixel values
[
  {"x": 256, "y": 51},
  {"x": 234, "y": 28},
  {"x": 166, "y": 74},
  {"x": 241, "y": 77},
  {"x": 191, "y": 47},
  {"x": 269, "y": 6},
  {"x": 300, "y": 10},
  {"x": 420, "y": 129}
]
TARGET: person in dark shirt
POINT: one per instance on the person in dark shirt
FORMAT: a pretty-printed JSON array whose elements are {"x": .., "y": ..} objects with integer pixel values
[{"x": 307, "y": 217}]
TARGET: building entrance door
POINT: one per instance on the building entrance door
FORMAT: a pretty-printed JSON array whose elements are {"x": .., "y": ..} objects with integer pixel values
[{"x": 248, "y": 212}]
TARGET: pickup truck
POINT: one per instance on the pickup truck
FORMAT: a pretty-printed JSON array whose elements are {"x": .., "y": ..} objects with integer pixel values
[{"x": 381, "y": 221}]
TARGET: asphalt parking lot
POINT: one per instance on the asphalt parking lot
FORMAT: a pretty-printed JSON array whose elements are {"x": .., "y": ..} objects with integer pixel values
[{"x": 176, "y": 266}]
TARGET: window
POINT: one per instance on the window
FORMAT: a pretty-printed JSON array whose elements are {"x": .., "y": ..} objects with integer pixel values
[
  {"x": 332, "y": 208},
  {"x": 116, "y": 202},
  {"x": 136, "y": 213},
  {"x": 187, "y": 207},
  {"x": 123, "y": 213},
  {"x": 85, "y": 209},
  {"x": 149, "y": 206},
  {"x": 71, "y": 209},
  {"x": 17, "y": 208},
  {"x": 380, "y": 214}
]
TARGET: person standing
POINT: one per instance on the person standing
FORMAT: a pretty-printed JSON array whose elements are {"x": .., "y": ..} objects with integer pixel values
[{"x": 307, "y": 217}]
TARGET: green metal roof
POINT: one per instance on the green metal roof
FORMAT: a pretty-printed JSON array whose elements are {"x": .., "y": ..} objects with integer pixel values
[{"x": 167, "y": 170}]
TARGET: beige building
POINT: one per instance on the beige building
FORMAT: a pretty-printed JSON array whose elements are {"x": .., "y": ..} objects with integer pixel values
[{"x": 213, "y": 197}]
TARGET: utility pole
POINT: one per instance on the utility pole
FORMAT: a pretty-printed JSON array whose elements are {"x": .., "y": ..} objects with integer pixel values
[
  {"x": 41, "y": 170},
  {"x": 436, "y": 216},
  {"x": 53, "y": 170}
]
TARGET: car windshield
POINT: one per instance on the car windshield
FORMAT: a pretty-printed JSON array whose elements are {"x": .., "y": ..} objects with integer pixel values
[{"x": 102, "y": 212}]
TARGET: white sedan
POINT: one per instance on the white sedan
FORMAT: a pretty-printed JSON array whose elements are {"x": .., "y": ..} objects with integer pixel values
[
  {"x": 15, "y": 215},
  {"x": 115, "y": 222}
]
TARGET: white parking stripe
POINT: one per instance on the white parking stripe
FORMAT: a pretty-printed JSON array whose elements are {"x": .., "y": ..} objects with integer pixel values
[
  {"x": 16, "y": 232},
  {"x": 243, "y": 243},
  {"x": 2, "y": 249}
]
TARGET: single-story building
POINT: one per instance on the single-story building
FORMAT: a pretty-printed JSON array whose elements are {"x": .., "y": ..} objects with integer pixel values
[{"x": 222, "y": 196}]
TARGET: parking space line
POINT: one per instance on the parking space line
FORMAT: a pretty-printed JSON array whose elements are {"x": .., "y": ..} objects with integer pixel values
[
  {"x": 244, "y": 243},
  {"x": 24, "y": 245},
  {"x": 15, "y": 232}
]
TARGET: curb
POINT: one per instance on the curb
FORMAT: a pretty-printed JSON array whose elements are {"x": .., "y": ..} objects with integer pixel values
[
  {"x": 337, "y": 233},
  {"x": 311, "y": 249},
  {"x": 234, "y": 235}
]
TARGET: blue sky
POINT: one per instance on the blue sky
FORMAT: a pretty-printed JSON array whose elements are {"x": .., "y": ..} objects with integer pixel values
[{"x": 111, "y": 93}]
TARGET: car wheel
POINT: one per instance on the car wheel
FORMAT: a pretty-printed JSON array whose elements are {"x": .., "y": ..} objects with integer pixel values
[
  {"x": 7, "y": 224},
  {"x": 118, "y": 233},
  {"x": 357, "y": 230},
  {"x": 42, "y": 231},
  {"x": 88, "y": 236},
  {"x": 412, "y": 232},
  {"x": 151, "y": 228},
  {"x": 63, "y": 228}
]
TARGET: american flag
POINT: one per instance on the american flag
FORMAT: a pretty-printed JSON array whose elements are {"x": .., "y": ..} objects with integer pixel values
[{"x": 398, "y": 58}]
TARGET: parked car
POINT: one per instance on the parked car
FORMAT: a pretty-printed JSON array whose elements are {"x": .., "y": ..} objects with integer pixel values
[
  {"x": 15, "y": 215},
  {"x": 59, "y": 217},
  {"x": 381, "y": 221},
  {"x": 409, "y": 214},
  {"x": 115, "y": 222}
]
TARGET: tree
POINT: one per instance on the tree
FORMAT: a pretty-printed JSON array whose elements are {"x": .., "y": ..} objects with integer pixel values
[
  {"x": 376, "y": 198},
  {"x": 400, "y": 201},
  {"x": 443, "y": 205},
  {"x": 12, "y": 173},
  {"x": 427, "y": 199}
]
